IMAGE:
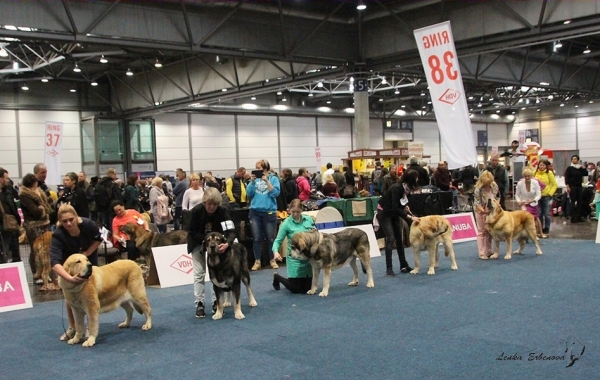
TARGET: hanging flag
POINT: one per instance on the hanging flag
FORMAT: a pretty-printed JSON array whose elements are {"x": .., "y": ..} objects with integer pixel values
[
  {"x": 440, "y": 62},
  {"x": 53, "y": 152}
]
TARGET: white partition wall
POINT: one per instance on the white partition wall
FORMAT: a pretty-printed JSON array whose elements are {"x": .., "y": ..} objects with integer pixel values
[
  {"x": 172, "y": 142},
  {"x": 9, "y": 159},
  {"x": 497, "y": 135},
  {"x": 213, "y": 144},
  {"x": 297, "y": 141},
  {"x": 428, "y": 133},
  {"x": 258, "y": 139},
  {"x": 375, "y": 135},
  {"x": 588, "y": 138},
  {"x": 335, "y": 139}
]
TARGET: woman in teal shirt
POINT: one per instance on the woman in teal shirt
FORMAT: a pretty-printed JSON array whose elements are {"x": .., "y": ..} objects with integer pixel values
[{"x": 299, "y": 271}]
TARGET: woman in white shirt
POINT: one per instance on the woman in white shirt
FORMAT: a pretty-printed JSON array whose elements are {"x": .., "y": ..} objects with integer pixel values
[
  {"x": 192, "y": 197},
  {"x": 527, "y": 194}
]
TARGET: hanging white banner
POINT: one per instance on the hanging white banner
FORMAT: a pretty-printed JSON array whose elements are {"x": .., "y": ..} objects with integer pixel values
[
  {"x": 53, "y": 152},
  {"x": 438, "y": 55}
]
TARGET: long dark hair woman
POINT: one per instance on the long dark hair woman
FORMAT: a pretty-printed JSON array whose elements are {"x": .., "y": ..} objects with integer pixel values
[
  {"x": 392, "y": 206},
  {"x": 74, "y": 195},
  {"x": 131, "y": 196}
]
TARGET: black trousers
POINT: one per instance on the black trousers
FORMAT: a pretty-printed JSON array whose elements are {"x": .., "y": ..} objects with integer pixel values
[
  {"x": 295, "y": 285},
  {"x": 392, "y": 229},
  {"x": 575, "y": 200},
  {"x": 132, "y": 251}
]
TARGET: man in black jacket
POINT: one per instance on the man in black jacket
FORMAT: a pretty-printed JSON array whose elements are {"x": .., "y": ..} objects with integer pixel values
[
  {"x": 423, "y": 175},
  {"x": 574, "y": 179},
  {"x": 107, "y": 191},
  {"x": 9, "y": 239},
  {"x": 500, "y": 177}
]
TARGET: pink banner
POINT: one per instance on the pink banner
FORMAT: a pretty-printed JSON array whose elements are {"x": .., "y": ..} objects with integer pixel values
[
  {"x": 463, "y": 227},
  {"x": 14, "y": 292}
]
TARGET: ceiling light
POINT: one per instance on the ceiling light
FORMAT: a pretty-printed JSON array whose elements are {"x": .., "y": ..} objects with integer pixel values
[
  {"x": 361, "y": 6},
  {"x": 320, "y": 84},
  {"x": 591, "y": 101},
  {"x": 494, "y": 116},
  {"x": 280, "y": 107},
  {"x": 587, "y": 50},
  {"x": 422, "y": 93},
  {"x": 73, "y": 89},
  {"x": 324, "y": 109},
  {"x": 524, "y": 108},
  {"x": 498, "y": 111},
  {"x": 558, "y": 45},
  {"x": 3, "y": 53},
  {"x": 544, "y": 84},
  {"x": 351, "y": 79},
  {"x": 24, "y": 87},
  {"x": 224, "y": 90},
  {"x": 538, "y": 110},
  {"x": 284, "y": 99},
  {"x": 397, "y": 92},
  {"x": 157, "y": 64},
  {"x": 567, "y": 22},
  {"x": 94, "y": 83},
  {"x": 45, "y": 80},
  {"x": 576, "y": 105},
  {"x": 351, "y": 110},
  {"x": 76, "y": 69},
  {"x": 562, "y": 104},
  {"x": 10, "y": 27},
  {"x": 403, "y": 106},
  {"x": 383, "y": 80},
  {"x": 310, "y": 94},
  {"x": 279, "y": 92},
  {"x": 253, "y": 97},
  {"x": 249, "y": 106},
  {"x": 329, "y": 101},
  {"x": 103, "y": 60},
  {"x": 15, "y": 65},
  {"x": 129, "y": 72}
]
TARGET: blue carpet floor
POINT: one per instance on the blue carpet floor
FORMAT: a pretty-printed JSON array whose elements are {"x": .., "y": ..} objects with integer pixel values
[{"x": 454, "y": 325}]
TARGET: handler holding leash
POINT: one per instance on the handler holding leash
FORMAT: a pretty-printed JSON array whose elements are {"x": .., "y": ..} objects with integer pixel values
[
  {"x": 392, "y": 206},
  {"x": 209, "y": 216},
  {"x": 73, "y": 235},
  {"x": 299, "y": 271}
]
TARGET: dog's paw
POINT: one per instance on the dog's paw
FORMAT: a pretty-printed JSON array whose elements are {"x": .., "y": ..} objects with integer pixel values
[
  {"x": 517, "y": 252},
  {"x": 73, "y": 341},
  {"x": 147, "y": 326},
  {"x": 353, "y": 283},
  {"x": 89, "y": 342},
  {"x": 323, "y": 294},
  {"x": 494, "y": 256},
  {"x": 311, "y": 292},
  {"x": 507, "y": 257},
  {"x": 239, "y": 315},
  {"x": 431, "y": 271},
  {"x": 253, "y": 303},
  {"x": 454, "y": 267},
  {"x": 538, "y": 253},
  {"x": 415, "y": 271},
  {"x": 123, "y": 325},
  {"x": 217, "y": 316},
  {"x": 370, "y": 284}
]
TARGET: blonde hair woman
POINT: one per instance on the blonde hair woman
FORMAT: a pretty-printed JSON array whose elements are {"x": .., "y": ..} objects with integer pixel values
[
  {"x": 527, "y": 193},
  {"x": 485, "y": 189},
  {"x": 330, "y": 189}
]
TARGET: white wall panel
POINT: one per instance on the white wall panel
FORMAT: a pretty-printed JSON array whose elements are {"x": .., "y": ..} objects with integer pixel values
[
  {"x": 213, "y": 144},
  {"x": 557, "y": 134},
  {"x": 298, "y": 139},
  {"x": 257, "y": 136},
  {"x": 588, "y": 134},
  {"x": 428, "y": 133},
  {"x": 335, "y": 140},
  {"x": 375, "y": 135},
  {"x": 172, "y": 142},
  {"x": 497, "y": 135},
  {"x": 8, "y": 147}
]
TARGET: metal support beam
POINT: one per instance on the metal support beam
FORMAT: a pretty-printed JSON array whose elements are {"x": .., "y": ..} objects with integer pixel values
[
  {"x": 220, "y": 23},
  {"x": 101, "y": 17},
  {"x": 297, "y": 46}
]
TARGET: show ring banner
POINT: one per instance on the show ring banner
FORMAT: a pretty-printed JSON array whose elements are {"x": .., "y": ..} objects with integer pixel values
[
  {"x": 463, "y": 227},
  {"x": 14, "y": 291},
  {"x": 440, "y": 63},
  {"x": 172, "y": 266}
]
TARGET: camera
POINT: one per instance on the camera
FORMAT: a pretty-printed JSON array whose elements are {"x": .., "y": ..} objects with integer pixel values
[{"x": 258, "y": 173}]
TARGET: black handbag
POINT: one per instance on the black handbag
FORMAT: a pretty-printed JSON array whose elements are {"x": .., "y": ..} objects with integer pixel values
[{"x": 9, "y": 222}]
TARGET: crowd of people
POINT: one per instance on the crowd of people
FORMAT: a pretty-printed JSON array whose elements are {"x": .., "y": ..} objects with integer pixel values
[{"x": 202, "y": 204}]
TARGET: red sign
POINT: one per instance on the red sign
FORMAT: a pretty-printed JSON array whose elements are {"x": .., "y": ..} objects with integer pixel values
[
  {"x": 183, "y": 264},
  {"x": 450, "y": 96},
  {"x": 14, "y": 292}
]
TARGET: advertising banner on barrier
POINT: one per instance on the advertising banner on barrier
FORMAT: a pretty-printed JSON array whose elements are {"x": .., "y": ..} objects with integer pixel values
[
  {"x": 14, "y": 291},
  {"x": 53, "y": 152},
  {"x": 440, "y": 62},
  {"x": 463, "y": 227}
]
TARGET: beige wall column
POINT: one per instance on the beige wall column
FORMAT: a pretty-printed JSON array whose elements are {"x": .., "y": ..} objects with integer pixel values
[{"x": 361, "y": 119}]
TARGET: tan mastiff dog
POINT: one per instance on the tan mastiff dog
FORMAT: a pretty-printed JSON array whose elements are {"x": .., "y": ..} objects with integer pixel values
[{"x": 427, "y": 233}]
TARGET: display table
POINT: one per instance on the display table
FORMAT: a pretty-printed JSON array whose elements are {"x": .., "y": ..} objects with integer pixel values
[{"x": 356, "y": 210}]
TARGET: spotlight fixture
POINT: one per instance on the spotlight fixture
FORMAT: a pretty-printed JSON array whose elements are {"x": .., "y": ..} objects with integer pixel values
[
  {"x": 3, "y": 53},
  {"x": 320, "y": 84},
  {"x": 103, "y": 60},
  {"x": 328, "y": 101},
  {"x": 129, "y": 72},
  {"x": 76, "y": 69},
  {"x": 310, "y": 94},
  {"x": 253, "y": 97},
  {"x": 15, "y": 65},
  {"x": 94, "y": 83},
  {"x": 279, "y": 93},
  {"x": 45, "y": 80},
  {"x": 284, "y": 99},
  {"x": 224, "y": 90},
  {"x": 73, "y": 89},
  {"x": 24, "y": 87},
  {"x": 562, "y": 104},
  {"x": 397, "y": 92},
  {"x": 383, "y": 80},
  {"x": 587, "y": 50},
  {"x": 361, "y": 6},
  {"x": 157, "y": 64},
  {"x": 558, "y": 44}
]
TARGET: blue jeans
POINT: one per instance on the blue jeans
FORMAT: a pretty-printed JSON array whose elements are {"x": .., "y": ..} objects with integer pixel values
[
  {"x": 545, "y": 204},
  {"x": 264, "y": 227},
  {"x": 177, "y": 217}
]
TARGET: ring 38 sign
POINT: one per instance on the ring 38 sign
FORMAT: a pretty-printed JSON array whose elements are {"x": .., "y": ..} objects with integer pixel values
[{"x": 440, "y": 62}]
